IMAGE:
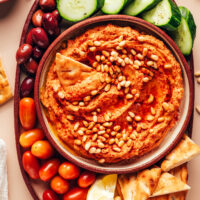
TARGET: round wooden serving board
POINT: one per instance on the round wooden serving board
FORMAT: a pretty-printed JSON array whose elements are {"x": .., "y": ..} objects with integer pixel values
[{"x": 37, "y": 187}]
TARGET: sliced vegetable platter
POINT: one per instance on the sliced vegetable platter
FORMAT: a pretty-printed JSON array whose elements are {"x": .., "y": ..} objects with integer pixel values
[{"x": 178, "y": 23}]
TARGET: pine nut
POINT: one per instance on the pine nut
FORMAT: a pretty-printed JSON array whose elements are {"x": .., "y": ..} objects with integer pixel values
[{"x": 77, "y": 142}]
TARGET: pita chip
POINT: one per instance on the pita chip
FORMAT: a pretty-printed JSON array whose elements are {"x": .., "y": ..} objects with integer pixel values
[
  {"x": 169, "y": 184},
  {"x": 164, "y": 197},
  {"x": 181, "y": 173},
  {"x": 140, "y": 187},
  {"x": 182, "y": 153},
  {"x": 5, "y": 91},
  {"x": 127, "y": 186}
]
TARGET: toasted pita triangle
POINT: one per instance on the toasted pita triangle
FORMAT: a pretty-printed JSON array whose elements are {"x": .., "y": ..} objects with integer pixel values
[
  {"x": 146, "y": 183},
  {"x": 140, "y": 187},
  {"x": 169, "y": 184},
  {"x": 164, "y": 197},
  {"x": 69, "y": 71},
  {"x": 5, "y": 91},
  {"x": 181, "y": 173},
  {"x": 183, "y": 152},
  {"x": 127, "y": 185}
]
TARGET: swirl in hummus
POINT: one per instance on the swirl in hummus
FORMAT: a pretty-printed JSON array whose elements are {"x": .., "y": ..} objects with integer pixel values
[{"x": 113, "y": 93}]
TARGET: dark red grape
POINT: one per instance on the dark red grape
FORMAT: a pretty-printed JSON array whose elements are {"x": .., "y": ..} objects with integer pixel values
[
  {"x": 40, "y": 37},
  {"x": 31, "y": 66},
  {"x": 50, "y": 24},
  {"x": 47, "y": 5},
  {"x": 23, "y": 53},
  {"x": 27, "y": 86},
  {"x": 29, "y": 39},
  {"x": 37, "y": 53},
  {"x": 56, "y": 15}
]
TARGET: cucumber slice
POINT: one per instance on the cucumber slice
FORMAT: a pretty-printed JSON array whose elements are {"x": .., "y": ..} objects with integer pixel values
[
  {"x": 185, "y": 34},
  {"x": 113, "y": 6},
  {"x": 139, "y": 6},
  {"x": 187, "y": 15},
  {"x": 77, "y": 10},
  {"x": 100, "y": 3},
  {"x": 165, "y": 15}
]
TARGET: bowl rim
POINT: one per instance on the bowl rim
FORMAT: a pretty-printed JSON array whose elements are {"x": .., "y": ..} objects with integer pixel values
[{"x": 101, "y": 19}]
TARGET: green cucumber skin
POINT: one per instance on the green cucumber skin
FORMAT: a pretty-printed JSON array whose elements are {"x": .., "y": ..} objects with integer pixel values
[
  {"x": 175, "y": 20},
  {"x": 128, "y": 2},
  {"x": 121, "y": 8},
  {"x": 147, "y": 8},
  {"x": 188, "y": 21},
  {"x": 152, "y": 5},
  {"x": 100, "y": 4},
  {"x": 187, "y": 15},
  {"x": 176, "y": 35}
]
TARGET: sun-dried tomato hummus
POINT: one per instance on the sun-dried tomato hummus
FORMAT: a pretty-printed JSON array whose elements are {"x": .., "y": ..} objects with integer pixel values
[{"x": 121, "y": 101}]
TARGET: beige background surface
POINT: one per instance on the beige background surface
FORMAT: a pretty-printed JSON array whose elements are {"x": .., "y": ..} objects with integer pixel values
[{"x": 12, "y": 17}]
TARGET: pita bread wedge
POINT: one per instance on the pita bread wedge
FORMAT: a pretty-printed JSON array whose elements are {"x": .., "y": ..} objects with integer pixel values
[
  {"x": 164, "y": 197},
  {"x": 140, "y": 187},
  {"x": 127, "y": 185},
  {"x": 182, "y": 174},
  {"x": 5, "y": 91},
  {"x": 169, "y": 184},
  {"x": 146, "y": 183},
  {"x": 183, "y": 152}
]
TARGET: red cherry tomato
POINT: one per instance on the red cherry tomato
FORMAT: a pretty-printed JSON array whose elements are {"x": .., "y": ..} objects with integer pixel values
[
  {"x": 31, "y": 165},
  {"x": 27, "y": 114},
  {"x": 86, "y": 179},
  {"x": 49, "y": 169},
  {"x": 49, "y": 195},
  {"x": 42, "y": 149},
  {"x": 76, "y": 194},
  {"x": 69, "y": 171},
  {"x": 28, "y": 138},
  {"x": 59, "y": 185},
  {"x": 37, "y": 18}
]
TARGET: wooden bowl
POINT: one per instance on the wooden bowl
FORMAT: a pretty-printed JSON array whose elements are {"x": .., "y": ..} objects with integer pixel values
[{"x": 169, "y": 141}]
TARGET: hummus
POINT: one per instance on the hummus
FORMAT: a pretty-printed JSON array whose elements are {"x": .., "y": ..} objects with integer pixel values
[{"x": 113, "y": 93}]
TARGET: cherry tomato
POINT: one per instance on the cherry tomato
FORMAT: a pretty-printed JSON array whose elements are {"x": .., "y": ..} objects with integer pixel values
[
  {"x": 49, "y": 169},
  {"x": 69, "y": 171},
  {"x": 86, "y": 179},
  {"x": 23, "y": 53},
  {"x": 49, "y": 195},
  {"x": 31, "y": 164},
  {"x": 28, "y": 138},
  {"x": 42, "y": 149},
  {"x": 37, "y": 18},
  {"x": 27, "y": 114},
  {"x": 59, "y": 185},
  {"x": 76, "y": 194}
]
